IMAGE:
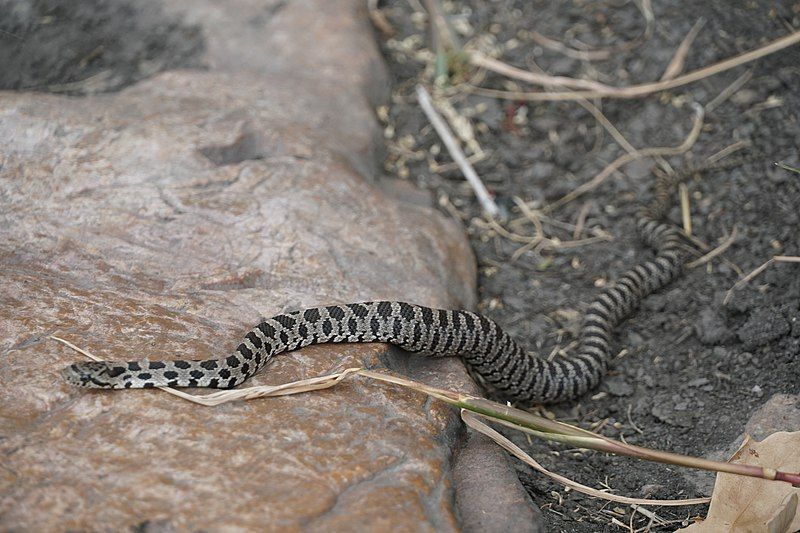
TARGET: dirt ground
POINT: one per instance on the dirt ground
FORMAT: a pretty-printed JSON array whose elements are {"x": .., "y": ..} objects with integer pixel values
[
  {"x": 91, "y": 46},
  {"x": 691, "y": 369}
]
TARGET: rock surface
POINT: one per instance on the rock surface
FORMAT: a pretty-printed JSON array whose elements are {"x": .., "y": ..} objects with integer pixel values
[
  {"x": 780, "y": 413},
  {"x": 161, "y": 221}
]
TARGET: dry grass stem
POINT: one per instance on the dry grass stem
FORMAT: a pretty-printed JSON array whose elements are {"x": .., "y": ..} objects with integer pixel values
[
  {"x": 598, "y": 232},
  {"x": 455, "y": 214},
  {"x": 729, "y": 91},
  {"x": 567, "y": 245},
  {"x": 503, "y": 414},
  {"x": 267, "y": 391},
  {"x": 461, "y": 126},
  {"x": 546, "y": 80},
  {"x": 561, "y": 48},
  {"x": 697, "y": 241},
  {"x": 530, "y": 215},
  {"x": 378, "y": 19},
  {"x": 585, "y": 54},
  {"x": 579, "y": 223},
  {"x": 539, "y": 239},
  {"x": 488, "y": 205},
  {"x": 592, "y": 89},
  {"x": 686, "y": 210},
  {"x": 442, "y": 32},
  {"x": 728, "y": 150},
  {"x": 560, "y": 432},
  {"x": 627, "y": 158},
  {"x": 443, "y": 168},
  {"x": 745, "y": 280},
  {"x": 636, "y": 428},
  {"x": 609, "y": 127},
  {"x": 716, "y": 251},
  {"x": 525, "y": 248},
  {"x": 79, "y": 350},
  {"x": 503, "y": 232},
  {"x": 472, "y": 421},
  {"x": 675, "y": 66}
]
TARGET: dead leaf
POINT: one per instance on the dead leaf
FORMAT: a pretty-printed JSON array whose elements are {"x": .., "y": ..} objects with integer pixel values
[
  {"x": 742, "y": 504},
  {"x": 782, "y": 520}
]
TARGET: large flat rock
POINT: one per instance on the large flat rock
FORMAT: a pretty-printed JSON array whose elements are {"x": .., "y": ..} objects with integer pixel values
[{"x": 162, "y": 221}]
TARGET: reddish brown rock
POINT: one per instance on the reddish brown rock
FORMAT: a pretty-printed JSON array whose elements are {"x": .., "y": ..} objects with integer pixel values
[{"x": 161, "y": 222}]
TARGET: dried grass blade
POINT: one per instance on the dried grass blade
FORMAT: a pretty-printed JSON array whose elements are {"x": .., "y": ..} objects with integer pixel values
[
  {"x": 675, "y": 66},
  {"x": 601, "y": 90},
  {"x": 472, "y": 421},
  {"x": 624, "y": 159}
]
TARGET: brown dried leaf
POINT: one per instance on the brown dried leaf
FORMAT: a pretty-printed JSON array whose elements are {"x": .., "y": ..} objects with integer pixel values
[{"x": 745, "y": 504}]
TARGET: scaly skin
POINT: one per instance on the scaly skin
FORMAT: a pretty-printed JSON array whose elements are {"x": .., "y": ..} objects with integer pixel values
[{"x": 491, "y": 355}]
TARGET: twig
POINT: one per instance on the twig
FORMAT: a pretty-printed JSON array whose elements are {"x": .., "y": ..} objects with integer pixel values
[
  {"x": 716, "y": 251},
  {"x": 627, "y": 158},
  {"x": 456, "y": 153},
  {"x": 675, "y": 66},
  {"x": 592, "y": 89},
  {"x": 472, "y": 421},
  {"x": 757, "y": 271}
]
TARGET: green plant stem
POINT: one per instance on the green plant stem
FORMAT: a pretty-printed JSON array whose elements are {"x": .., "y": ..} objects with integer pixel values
[
  {"x": 604, "y": 444},
  {"x": 558, "y": 431},
  {"x": 790, "y": 168}
]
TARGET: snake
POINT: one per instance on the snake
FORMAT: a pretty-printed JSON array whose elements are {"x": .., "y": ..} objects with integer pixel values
[{"x": 493, "y": 358}]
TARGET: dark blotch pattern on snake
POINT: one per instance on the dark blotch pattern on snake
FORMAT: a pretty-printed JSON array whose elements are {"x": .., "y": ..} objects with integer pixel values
[{"x": 503, "y": 367}]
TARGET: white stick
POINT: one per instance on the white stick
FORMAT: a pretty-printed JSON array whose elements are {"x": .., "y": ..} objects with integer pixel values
[{"x": 456, "y": 153}]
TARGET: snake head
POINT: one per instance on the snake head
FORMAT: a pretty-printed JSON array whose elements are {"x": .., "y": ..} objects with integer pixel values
[{"x": 93, "y": 375}]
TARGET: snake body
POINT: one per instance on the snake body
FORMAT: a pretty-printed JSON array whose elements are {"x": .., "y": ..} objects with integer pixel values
[{"x": 501, "y": 365}]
